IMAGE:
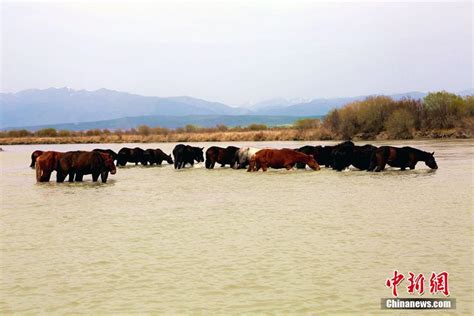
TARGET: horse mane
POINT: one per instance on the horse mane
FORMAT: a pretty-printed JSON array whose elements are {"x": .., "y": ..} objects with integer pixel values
[{"x": 418, "y": 151}]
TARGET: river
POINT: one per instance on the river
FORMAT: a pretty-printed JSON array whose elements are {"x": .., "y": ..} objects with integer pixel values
[{"x": 226, "y": 241}]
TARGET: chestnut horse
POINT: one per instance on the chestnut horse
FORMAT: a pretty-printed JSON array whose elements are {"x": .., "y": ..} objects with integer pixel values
[
  {"x": 46, "y": 163},
  {"x": 405, "y": 157},
  {"x": 280, "y": 158}
]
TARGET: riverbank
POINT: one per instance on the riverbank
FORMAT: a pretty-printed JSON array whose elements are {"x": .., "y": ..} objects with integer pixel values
[{"x": 287, "y": 134}]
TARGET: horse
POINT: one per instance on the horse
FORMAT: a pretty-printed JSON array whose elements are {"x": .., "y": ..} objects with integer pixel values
[
  {"x": 243, "y": 156},
  {"x": 280, "y": 158},
  {"x": 158, "y": 156},
  {"x": 184, "y": 154},
  {"x": 223, "y": 156},
  {"x": 405, "y": 157},
  {"x": 112, "y": 153},
  {"x": 76, "y": 164},
  {"x": 341, "y": 156},
  {"x": 349, "y": 154},
  {"x": 134, "y": 155},
  {"x": 45, "y": 164},
  {"x": 34, "y": 156},
  {"x": 309, "y": 150}
]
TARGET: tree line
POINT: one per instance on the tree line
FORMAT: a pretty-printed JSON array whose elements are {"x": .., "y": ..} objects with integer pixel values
[{"x": 398, "y": 119}]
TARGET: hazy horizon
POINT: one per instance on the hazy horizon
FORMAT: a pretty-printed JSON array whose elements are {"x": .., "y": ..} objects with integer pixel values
[{"x": 238, "y": 53}]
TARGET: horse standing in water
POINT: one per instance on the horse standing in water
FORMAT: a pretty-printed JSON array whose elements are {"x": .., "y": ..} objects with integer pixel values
[
  {"x": 34, "y": 156},
  {"x": 243, "y": 156},
  {"x": 322, "y": 155},
  {"x": 223, "y": 156},
  {"x": 405, "y": 157},
  {"x": 280, "y": 158},
  {"x": 185, "y": 154}
]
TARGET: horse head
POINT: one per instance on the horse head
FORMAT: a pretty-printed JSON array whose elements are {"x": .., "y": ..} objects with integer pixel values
[
  {"x": 430, "y": 161},
  {"x": 198, "y": 154}
]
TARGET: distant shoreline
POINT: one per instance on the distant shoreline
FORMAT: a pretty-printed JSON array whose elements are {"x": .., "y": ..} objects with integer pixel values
[{"x": 287, "y": 134}]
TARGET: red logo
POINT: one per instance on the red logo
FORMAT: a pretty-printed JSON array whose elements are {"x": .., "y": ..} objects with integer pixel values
[
  {"x": 416, "y": 283},
  {"x": 439, "y": 283}
]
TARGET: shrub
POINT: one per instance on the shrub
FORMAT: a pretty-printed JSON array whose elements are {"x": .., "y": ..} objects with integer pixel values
[
  {"x": 93, "y": 132},
  {"x": 160, "y": 130},
  {"x": 46, "y": 132},
  {"x": 332, "y": 121},
  {"x": 257, "y": 127},
  {"x": 64, "y": 133},
  {"x": 400, "y": 124},
  {"x": 118, "y": 132},
  {"x": 18, "y": 133},
  {"x": 307, "y": 123},
  {"x": 190, "y": 128},
  {"x": 144, "y": 130},
  {"x": 467, "y": 108},
  {"x": 443, "y": 109},
  {"x": 221, "y": 127}
]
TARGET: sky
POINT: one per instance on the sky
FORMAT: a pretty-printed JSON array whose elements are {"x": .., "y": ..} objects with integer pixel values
[{"x": 238, "y": 52}]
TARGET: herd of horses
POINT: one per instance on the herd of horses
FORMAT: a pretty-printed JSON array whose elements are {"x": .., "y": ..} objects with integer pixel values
[{"x": 101, "y": 162}]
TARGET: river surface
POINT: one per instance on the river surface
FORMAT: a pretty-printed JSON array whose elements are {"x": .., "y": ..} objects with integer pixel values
[{"x": 226, "y": 241}]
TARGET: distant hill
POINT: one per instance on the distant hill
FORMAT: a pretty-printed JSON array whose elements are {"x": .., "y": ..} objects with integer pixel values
[
  {"x": 65, "y": 105},
  {"x": 172, "y": 122}
]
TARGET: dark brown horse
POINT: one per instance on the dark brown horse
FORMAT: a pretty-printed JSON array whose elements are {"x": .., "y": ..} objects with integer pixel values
[
  {"x": 76, "y": 164},
  {"x": 280, "y": 158},
  {"x": 223, "y": 156},
  {"x": 34, "y": 156},
  {"x": 405, "y": 157}
]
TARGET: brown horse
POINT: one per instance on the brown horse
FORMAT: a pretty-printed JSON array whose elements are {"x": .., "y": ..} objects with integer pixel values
[
  {"x": 223, "y": 156},
  {"x": 280, "y": 158},
  {"x": 34, "y": 156},
  {"x": 46, "y": 163},
  {"x": 76, "y": 164},
  {"x": 405, "y": 157}
]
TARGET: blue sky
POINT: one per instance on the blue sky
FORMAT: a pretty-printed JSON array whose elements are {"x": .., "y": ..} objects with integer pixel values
[{"x": 238, "y": 52}]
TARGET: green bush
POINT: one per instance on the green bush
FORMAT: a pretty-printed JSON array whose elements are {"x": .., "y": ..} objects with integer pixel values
[{"x": 443, "y": 109}]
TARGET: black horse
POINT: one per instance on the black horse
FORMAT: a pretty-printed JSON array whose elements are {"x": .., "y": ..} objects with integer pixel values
[
  {"x": 135, "y": 155},
  {"x": 342, "y": 155},
  {"x": 223, "y": 156},
  {"x": 349, "y": 154},
  {"x": 322, "y": 155},
  {"x": 314, "y": 151},
  {"x": 184, "y": 154},
  {"x": 405, "y": 157},
  {"x": 158, "y": 156}
]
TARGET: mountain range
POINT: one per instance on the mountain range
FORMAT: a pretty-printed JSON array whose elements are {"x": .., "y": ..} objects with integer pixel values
[{"x": 106, "y": 108}]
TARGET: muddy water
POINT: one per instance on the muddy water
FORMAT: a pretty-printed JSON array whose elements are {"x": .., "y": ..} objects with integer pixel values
[{"x": 224, "y": 241}]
